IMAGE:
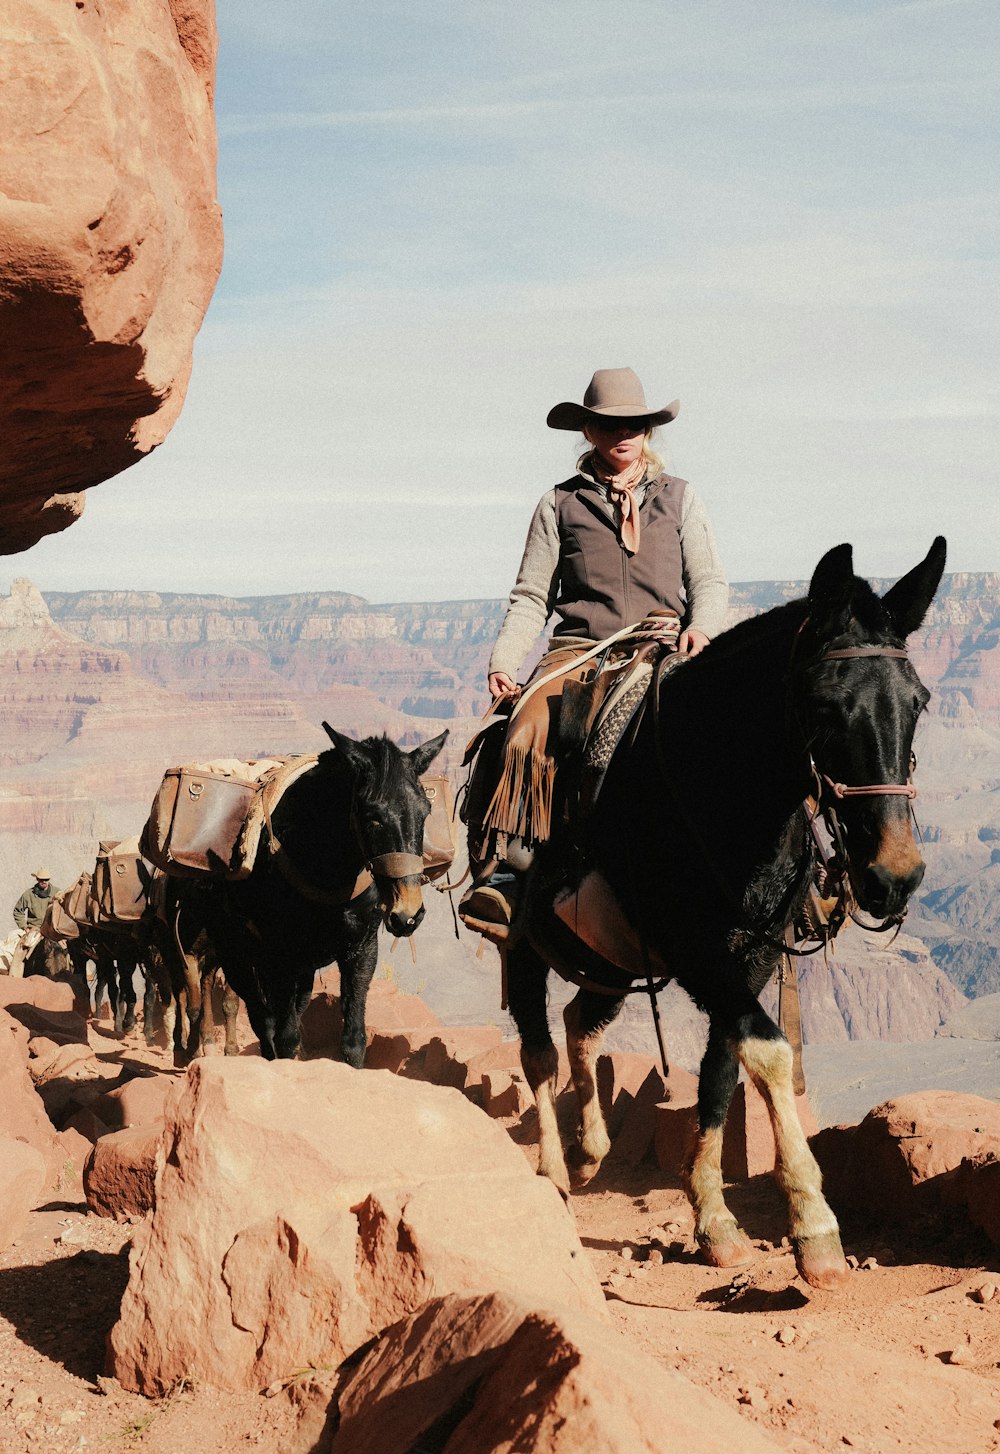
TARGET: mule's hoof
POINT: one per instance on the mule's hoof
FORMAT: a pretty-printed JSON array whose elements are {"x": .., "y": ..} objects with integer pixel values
[
  {"x": 821, "y": 1262},
  {"x": 726, "y": 1246},
  {"x": 582, "y": 1168}
]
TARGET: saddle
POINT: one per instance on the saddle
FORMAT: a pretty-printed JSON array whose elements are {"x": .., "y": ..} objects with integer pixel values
[
  {"x": 59, "y": 924},
  {"x": 439, "y": 834},
  {"x": 591, "y": 717},
  {"x": 588, "y": 719}
]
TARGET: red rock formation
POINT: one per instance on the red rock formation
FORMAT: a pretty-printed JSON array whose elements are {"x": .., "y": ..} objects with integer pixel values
[
  {"x": 120, "y": 1171},
  {"x": 916, "y": 1153},
  {"x": 110, "y": 242},
  {"x": 504, "y": 1376},
  {"x": 390, "y": 1019},
  {"x": 23, "y": 1175},
  {"x": 302, "y": 1207},
  {"x": 22, "y": 1114}
]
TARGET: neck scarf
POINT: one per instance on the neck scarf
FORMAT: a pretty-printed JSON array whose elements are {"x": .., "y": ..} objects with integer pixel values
[{"x": 621, "y": 494}]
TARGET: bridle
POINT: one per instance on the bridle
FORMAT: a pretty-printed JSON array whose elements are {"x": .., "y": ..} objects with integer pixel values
[
  {"x": 394, "y": 866},
  {"x": 835, "y": 867},
  {"x": 869, "y": 790}
]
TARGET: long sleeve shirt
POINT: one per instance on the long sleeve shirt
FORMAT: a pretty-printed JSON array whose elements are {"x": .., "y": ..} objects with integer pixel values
[
  {"x": 536, "y": 589},
  {"x": 29, "y": 911}
]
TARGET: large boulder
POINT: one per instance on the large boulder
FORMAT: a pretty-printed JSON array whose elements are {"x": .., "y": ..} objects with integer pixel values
[
  {"x": 500, "y": 1375},
  {"x": 39, "y": 991},
  {"x": 980, "y": 1185},
  {"x": 23, "y": 1175},
  {"x": 140, "y": 1101},
  {"x": 447, "y": 1055},
  {"x": 22, "y": 1113},
  {"x": 110, "y": 241},
  {"x": 46, "y": 1007},
  {"x": 120, "y": 1172},
  {"x": 301, "y": 1207},
  {"x": 912, "y": 1154}
]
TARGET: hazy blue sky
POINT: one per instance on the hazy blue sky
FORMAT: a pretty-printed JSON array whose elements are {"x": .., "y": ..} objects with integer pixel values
[{"x": 442, "y": 217}]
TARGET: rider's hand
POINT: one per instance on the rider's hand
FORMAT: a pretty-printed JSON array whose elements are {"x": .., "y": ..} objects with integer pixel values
[
  {"x": 500, "y": 684},
  {"x": 692, "y": 641}
]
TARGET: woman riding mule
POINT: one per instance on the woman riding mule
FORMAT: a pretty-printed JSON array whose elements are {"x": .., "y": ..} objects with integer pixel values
[{"x": 619, "y": 540}]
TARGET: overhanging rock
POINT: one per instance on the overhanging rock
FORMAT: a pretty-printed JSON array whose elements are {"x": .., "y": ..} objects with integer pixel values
[{"x": 110, "y": 241}]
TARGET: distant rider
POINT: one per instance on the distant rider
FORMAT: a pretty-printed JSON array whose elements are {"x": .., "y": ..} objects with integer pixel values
[{"x": 29, "y": 911}]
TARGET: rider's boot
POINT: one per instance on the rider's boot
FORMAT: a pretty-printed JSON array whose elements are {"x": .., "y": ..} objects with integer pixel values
[{"x": 490, "y": 905}]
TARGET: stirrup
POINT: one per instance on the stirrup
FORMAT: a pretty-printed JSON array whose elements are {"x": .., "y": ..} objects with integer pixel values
[{"x": 488, "y": 909}]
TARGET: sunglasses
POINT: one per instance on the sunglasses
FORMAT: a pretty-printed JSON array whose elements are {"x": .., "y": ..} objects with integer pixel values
[{"x": 620, "y": 426}]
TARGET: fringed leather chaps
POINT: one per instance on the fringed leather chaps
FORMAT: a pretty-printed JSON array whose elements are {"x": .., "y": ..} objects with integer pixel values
[{"x": 521, "y": 806}]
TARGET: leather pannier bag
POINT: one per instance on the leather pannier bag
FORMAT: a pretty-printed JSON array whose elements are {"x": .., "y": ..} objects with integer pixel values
[
  {"x": 196, "y": 824},
  {"x": 121, "y": 882},
  {"x": 79, "y": 900},
  {"x": 59, "y": 923},
  {"x": 439, "y": 839}
]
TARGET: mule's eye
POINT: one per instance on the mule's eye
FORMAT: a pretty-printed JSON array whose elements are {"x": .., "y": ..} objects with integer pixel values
[{"x": 374, "y": 824}]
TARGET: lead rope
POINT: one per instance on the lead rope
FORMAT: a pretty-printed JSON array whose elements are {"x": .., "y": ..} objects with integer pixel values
[
  {"x": 652, "y": 987},
  {"x": 653, "y": 990}
]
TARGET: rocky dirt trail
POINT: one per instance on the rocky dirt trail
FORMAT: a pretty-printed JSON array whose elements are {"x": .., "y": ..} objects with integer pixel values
[{"x": 906, "y": 1357}]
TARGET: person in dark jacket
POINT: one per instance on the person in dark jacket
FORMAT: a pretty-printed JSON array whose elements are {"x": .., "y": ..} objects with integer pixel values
[{"x": 617, "y": 541}]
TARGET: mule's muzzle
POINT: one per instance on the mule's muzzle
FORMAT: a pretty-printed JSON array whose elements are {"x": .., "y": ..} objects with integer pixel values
[
  {"x": 400, "y": 882},
  {"x": 401, "y": 923},
  {"x": 885, "y": 893}
]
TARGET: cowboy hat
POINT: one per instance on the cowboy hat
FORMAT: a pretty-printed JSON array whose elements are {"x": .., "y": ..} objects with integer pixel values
[
  {"x": 611, "y": 394},
  {"x": 41, "y": 873}
]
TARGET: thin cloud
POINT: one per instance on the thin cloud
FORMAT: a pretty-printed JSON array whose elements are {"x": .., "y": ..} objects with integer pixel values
[
  {"x": 399, "y": 116},
  {"x": 811, "y": 97}
]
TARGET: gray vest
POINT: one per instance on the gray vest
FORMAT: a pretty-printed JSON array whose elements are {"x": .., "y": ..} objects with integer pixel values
[{"x": 601, "y": 587}]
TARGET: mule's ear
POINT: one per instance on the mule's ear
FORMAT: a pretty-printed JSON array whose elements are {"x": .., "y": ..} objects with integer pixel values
[
  {"x": 832, "y": 584},
  {"x": 346, "y": 746},
  {"x": 424, "y": 755},
  {"x": 907, "y": 601}
]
